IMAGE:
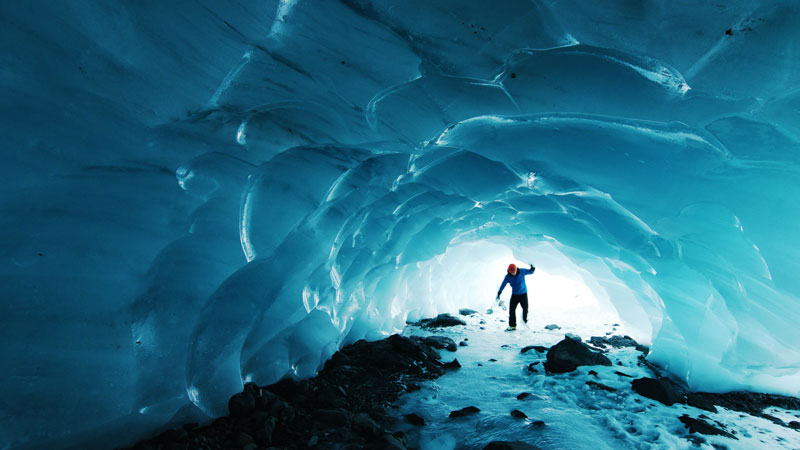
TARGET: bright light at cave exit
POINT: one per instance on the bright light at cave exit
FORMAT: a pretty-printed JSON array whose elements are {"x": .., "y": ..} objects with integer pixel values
[{"x": 558, "y": 291}]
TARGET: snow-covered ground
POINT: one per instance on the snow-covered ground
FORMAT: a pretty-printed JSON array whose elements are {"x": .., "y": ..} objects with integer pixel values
[{"x": 576, "y": 415}]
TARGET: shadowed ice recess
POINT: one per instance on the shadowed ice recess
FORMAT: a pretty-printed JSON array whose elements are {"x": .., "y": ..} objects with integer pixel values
[{"x": 200, "y": 195}]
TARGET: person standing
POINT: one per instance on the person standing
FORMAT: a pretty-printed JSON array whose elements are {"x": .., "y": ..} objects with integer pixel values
[{"x": 519, "y": 293}]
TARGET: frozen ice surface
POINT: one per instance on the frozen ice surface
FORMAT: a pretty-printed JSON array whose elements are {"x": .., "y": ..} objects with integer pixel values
[
  {"x": 205, "y": 194},
  {"x": 575, "y": 415}
]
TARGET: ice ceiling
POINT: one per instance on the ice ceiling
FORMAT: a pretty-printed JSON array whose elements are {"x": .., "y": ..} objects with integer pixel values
[{"x": 201, "y": 193}]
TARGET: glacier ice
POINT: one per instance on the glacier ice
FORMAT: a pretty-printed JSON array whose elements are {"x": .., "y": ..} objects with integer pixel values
[{"x": 200, "y": 195}]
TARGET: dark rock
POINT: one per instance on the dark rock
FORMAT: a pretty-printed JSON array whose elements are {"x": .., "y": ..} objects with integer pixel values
[
  {"x": 773, "y": 419},
  {"x": 661, "y": 390},
  {"x": 442, "y": 320},
  {"x": 241, "y": 439},
  {"x": 794, "y": 425},
  {"x": 517, "y": 414},
  {"x": 414, "y": 419},
  {"x": 510, "y": 445},
  {"x": 344, "y": 406},
  {"x": 572, "y": 336},
  {"x": 532, "y": 367},
  {"x": 537, "y": 423},
  {"x": 568, "y": 354},
  {"x": 467, "y": 311},
  {"x": 701, "y": 403},
  {"x": 390, "y": 442},
  {"x": 265, "y": 399},
  {"x": 469, "y": 410},
  {"x": 523, "y": 395},
  {"x": 492, "y": 360},
  {"x": 263, "y": 433},
  {"x": 552, "y": 326},
  {"x": 242, "y": 404},
  {"x": 454, "y": 364},
  {"x": 363, "y": 423},
  {"x": 702, "y": 427},
  {"x": 601, "y": 386},
  {"x": 618, "y": 342},
  {"x": 337, "y": 417},
  {"x": 592, "y": 373},
  {"x": 752, "y": 403},
  {"x": 463, "y": 344},
  {"x": 537, "y": 348},
  {"x": 190, "y": 426},
  {"x": 442, "y": 342},
  {"x": 622, "y": 374}
]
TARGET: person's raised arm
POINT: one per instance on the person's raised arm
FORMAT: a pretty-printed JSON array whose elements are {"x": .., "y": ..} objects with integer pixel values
[{"x": 530, "y": 271}]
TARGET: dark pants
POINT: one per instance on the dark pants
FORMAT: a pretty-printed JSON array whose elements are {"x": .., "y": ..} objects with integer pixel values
[{"x": 521, "y": 299}]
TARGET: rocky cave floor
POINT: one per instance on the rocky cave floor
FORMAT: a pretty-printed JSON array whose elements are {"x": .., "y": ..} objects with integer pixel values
[{"x": 539, "y": 388}]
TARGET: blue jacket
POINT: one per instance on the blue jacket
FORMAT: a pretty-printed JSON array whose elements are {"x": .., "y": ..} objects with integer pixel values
[{"x": 517, "y": 281}]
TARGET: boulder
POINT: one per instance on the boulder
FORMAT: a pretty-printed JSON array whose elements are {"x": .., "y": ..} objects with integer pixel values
[
  {"x": 336, "y": 417},
  {"x": 442, "y": 320},
  {"x": 242, "y": 404},
  {"x": 701, "y": 403},
  {"x": 241, "y": 439},
  {"x": 363, "y": 423},
  {"x": 752, "y": 403},
  {"x": 703, "y": 427},
  {"x": 661, "y": 390},
  {"x": 454, "y": 364},
  {"x": 510, "y": 445},
  {"x": 537, "y": 348},
  {"x": 467, "y": 312},
  {"x": 414, "y": 419},
  {"x": 552, "y": 326},
  {"x": 517, "y": 414},
  {"x": 442, "y": 342},
  {"x": 573, "y": 336},
  {"x": 391, "y": 442},
  {"x": 469, "y": 410},
  {"x": 617, "y": 341},
  {"x": 570, "y": 353}
]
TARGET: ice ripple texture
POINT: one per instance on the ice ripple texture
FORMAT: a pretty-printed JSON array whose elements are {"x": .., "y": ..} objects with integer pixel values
[{"x": 201, "y": 196}]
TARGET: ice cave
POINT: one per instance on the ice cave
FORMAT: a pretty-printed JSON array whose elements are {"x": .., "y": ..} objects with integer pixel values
[{"x": 202, "y": 194}]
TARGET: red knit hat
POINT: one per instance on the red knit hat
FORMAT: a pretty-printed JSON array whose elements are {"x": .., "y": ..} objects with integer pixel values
[{"x": 512, "y": 269}]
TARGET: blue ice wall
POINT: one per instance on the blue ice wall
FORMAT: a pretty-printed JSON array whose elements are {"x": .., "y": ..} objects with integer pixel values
[{"x": 202, "y": 193}]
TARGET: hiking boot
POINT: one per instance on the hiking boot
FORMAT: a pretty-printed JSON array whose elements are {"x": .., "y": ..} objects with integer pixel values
[{"x": 511, "y": 328}]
